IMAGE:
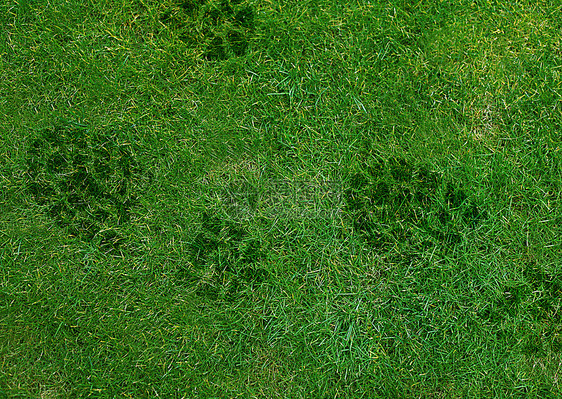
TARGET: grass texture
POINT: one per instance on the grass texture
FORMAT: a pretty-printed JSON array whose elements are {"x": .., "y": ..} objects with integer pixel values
[{"x": 281, "y": 199}]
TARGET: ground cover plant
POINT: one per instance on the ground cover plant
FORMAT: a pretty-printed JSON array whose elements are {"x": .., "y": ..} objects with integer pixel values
[{"x": 290, "y": 199}]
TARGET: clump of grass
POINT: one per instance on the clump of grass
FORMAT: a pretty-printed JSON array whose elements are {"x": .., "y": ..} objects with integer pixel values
[
  {"x": 392, "y": 201},
  {"x": 84, "y": 180},
  {"x": 224, "y": 259},
  {"x": 219, "y": 29}
]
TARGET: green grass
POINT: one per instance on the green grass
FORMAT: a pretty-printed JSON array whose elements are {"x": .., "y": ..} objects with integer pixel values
[{"x": 280, "y": 199}]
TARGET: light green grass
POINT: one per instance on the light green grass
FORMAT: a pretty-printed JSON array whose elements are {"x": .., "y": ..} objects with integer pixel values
[{"x": 280, "y": 199}]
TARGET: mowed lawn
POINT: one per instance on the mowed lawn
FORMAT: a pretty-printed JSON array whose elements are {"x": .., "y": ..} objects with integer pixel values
[{"x": 280, "y": 199}]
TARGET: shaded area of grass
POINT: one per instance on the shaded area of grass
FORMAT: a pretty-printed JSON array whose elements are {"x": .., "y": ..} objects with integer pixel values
[
  {"x": 86, "y": 183},
  {"x": 390, "y": 201},
  {"x": 438, "y": 275}
]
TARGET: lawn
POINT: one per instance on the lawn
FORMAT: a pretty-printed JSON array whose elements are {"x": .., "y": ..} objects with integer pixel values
[{"x": 280, "y": 199}]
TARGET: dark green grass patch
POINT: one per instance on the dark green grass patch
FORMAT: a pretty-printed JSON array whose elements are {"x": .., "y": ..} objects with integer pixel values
[
  {"x": 218, "y": 29},
  {"x": 85, "y": 181},
  {"x": 224, "y": 260},
  {"x": 390, "y": 201}
]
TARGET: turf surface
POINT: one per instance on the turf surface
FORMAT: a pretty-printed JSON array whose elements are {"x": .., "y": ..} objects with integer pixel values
[{"x": 280, "y": 199}]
